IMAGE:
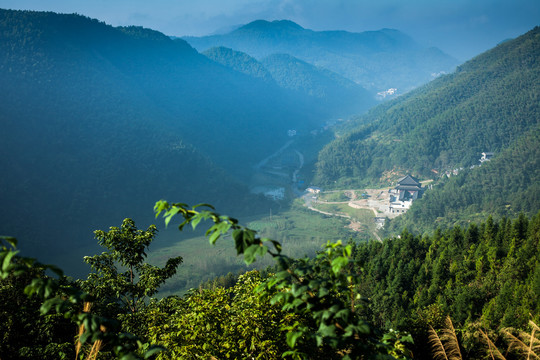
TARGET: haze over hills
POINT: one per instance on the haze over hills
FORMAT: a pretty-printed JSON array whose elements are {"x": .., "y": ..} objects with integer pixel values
[
  {"x": 334, "y": 94},
  {"x": 153, "y": 70},
  {"x": 490, "y": 104},
  {"x": 377, "y": 60},
  {"x": 238, "y": 61},
  {"x": 98, "y": 123}
]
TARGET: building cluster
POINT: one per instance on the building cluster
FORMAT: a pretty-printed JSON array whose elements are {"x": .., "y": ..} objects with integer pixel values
[
  {"x": 384, "y": 94},
  {"x": 486, "y": 156}
]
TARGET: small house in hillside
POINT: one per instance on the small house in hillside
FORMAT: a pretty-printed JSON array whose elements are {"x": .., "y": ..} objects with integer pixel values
[
  {"x": 407, "y": 190},
  {"x": 486, "y": 156},
  {"x": 314, "y": 189}
]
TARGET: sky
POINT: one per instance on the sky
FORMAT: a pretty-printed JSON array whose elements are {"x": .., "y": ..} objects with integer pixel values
[{"x": 461, "y": 28}]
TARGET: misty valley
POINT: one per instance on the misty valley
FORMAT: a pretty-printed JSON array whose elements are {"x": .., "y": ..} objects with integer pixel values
[{"x": 269, "y": 192}]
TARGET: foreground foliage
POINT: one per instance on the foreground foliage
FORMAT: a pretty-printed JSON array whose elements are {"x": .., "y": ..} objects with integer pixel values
[
  {"x": 459, "y": 293},
  {"x": 321, "y": 291},
  {"x": 234, "y": 323},
  {"x": 57, "y": 305}
]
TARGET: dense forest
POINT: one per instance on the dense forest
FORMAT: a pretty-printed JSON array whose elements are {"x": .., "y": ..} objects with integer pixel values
[
  {"x": 238, "y": 61},
  {"x": 485, "y": 277},
  {"x": 471, "y": 292}
]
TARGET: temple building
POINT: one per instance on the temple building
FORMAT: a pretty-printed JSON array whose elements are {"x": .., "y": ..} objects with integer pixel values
[{"x": 407, "y": 190}]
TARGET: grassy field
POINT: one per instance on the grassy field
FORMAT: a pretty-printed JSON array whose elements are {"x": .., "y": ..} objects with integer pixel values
[
  {"x": 333, "y": 196},
  {"x": 300, "y": 231},
  {"x": 364, "y": 217}
]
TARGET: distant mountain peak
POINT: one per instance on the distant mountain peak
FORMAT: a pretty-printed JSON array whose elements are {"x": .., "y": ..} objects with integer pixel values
[{"x": 262, "y": 25}]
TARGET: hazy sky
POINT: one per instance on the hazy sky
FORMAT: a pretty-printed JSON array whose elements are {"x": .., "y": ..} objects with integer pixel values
[{"x": 462, "y": 28}]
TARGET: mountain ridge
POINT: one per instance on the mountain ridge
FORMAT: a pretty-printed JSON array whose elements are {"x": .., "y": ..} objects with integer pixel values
[{"x": 377, "y": 60}]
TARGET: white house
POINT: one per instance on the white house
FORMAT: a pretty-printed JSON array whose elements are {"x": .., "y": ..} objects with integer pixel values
[
  {"x": 486, "y": 156},
  {"x": 314, "y": 189}
]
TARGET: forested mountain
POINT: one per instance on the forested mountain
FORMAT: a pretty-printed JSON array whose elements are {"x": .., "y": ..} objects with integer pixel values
[
  {"x": 488, "y": 104},
  {"x": 327, "y": 92},
  {"x": 377, "y": 60},
  {"x": 97, "y": 123},
  {"x": 238, "y": 61},
  {"x": 332, "y": 90}
]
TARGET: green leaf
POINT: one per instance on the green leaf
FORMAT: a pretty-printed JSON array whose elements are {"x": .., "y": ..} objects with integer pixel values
[
  {"x": 160, "y": 206},
  {"x": 251, "y": 252},
  {"x": 10, "y": 240},
  {"x": 170, "y": 213},
  {"x": 338, "y": 263},
  {"x": 348, "y": 251},
  {"x": 213, "y": 238},
  {"x": 55, "y": 269},
  {"x": 196, "y": 220},
  {"x": 292, "y": 337},
  {"x": 153, "y": 350},
  {"x": 239, "y": 241},
  {"x": 205, "y": 205},
  {"x": 323, "y": 291},
  {"x": 327, "y": 330},
  {"x": 6, "y": 265}
]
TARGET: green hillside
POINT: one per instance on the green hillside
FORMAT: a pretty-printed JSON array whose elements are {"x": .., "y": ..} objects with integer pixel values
[
  {"x": 505, "y": 186},
  {"x": 485, "y": 106}
]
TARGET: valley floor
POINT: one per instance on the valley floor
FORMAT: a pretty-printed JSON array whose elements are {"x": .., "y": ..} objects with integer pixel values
[{"x": 366, "y": 209}]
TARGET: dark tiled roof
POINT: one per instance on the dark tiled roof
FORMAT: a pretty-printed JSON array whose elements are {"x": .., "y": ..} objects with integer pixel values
[{"x": 408, "y": 180}]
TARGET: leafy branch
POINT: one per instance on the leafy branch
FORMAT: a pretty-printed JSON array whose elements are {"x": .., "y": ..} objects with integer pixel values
[
  {"x": 68, "y": 300},
  {"x": 322, "y": 290}
]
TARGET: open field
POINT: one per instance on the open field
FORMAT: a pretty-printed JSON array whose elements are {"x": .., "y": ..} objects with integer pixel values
[
  {"x": 300, "y": 231},
  {"x": 361, "y": 220}
]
